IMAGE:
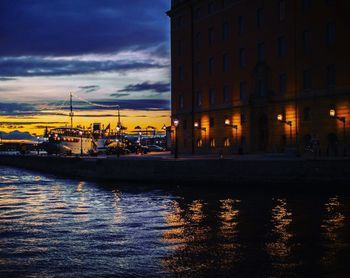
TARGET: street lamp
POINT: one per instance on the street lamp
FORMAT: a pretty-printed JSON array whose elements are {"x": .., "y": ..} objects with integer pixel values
[
  {"x": 280, "y": 119},
  {"x": 81, "y": 142},
  {"x": 176, "y": 124},
  {"x": 333, "y": 114},
  {"x": 228, "y": 124}
]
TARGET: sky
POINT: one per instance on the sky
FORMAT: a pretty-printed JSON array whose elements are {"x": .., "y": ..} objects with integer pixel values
[{"x": 110, "y": 52}]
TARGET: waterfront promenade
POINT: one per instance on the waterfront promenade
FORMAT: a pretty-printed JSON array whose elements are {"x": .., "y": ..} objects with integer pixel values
[{"x": 268, "y": 169}]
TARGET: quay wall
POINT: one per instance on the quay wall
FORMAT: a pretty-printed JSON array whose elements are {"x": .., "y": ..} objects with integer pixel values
[{"x": 190, "y": 172}]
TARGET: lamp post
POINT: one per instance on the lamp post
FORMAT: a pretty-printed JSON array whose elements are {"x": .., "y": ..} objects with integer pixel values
[
  {"x": 176, "y": 124},
  {"x": 332, "y": 114},
  {"x": 37, "y": 147},
  {"x": 228, "y": 124},
  {"x": 81, "y": 142},
  {"x": 280, "y": 119},
  {"x": 197, "y": 126}
]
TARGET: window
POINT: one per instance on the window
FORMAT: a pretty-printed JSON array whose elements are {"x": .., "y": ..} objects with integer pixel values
[
  {"x": 212, "y": 142},
  {"x": 198, "y": 70},
  {"x": 259, "y": 17},
  {"x": 210, "y": 36},
  {"x": 211, "y": 96},
  {"x": 307, "y": 83},
  {"x": 261, "y": 52},
  {"x": 211, "y": 8},
  {"x": 306, "y": 41},
  {"x": 283, "y": 84},
  {"x": 226, "y": 94},
  {"x": 181, "y": 101},
  {"x": 331, "y": 76},
  {"x": 211, "y": 65},
  {"x": 330, "y": 33},
  {"x": 225, "y": 31},
  {"x": 242, "y": 90},
  {"x": 181, "y": 73},
  {"x": 240, "y": 25},
  {"x": 198, "y": 98},
  {"x": 306, "y": 4},
  {"x": 261, "y": 88},
  {"x": 184, "y": 124},
  {"x": 179, "y": 48},
  {"x": 282, "y": 9},
  {"x": 211, "y": 122},
  {"x": 225, "y": 62},
  {"x": 197, "y": 13},
  {"x": 198, "y": 40},
  {"x": 306, "y": 114},
  {"x": 199, "y": 143},
  {"x": 282, "y": 46},
  {"x": 227, "y": 142},
  {"x": 243, "y": 118},
  {"x": 242, "y": 58}
]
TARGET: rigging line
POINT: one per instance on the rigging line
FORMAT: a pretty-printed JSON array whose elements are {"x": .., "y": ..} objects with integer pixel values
[{"x": 96, "y": 104}]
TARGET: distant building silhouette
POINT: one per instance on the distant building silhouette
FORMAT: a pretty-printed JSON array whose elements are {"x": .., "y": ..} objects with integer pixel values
[{"x": 245, "y": 62}]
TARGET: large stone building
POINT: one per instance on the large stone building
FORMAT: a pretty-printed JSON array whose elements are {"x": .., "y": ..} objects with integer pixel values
[{"x": 244, "y": 62}]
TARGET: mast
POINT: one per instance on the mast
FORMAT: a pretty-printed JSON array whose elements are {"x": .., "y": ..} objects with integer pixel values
[
  {"x": 119, "y": 124},
  {"x": 71, "y": 114}
]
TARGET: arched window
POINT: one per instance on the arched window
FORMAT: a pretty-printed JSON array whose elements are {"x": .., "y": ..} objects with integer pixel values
[
  {"x": 227, "y": 142},
  {"x": 199, "y": 143},
  {"x": 212, "y": 142}
]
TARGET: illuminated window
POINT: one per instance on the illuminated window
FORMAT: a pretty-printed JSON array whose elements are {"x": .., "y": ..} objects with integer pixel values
[
  {"x": 212, "y": 142},
  {"x": 199, "y": 143},
  {"x": 227, "y": 142}
]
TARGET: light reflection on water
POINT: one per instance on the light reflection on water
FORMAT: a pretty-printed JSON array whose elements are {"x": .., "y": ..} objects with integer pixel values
[{"x": 57, "y": 227}]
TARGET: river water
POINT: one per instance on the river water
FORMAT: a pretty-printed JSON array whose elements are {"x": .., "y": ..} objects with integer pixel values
[{"x": 54, "y": 227}]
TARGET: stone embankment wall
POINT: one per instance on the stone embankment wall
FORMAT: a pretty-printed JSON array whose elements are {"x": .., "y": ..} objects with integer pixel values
[{"x": 191, "y": 172}]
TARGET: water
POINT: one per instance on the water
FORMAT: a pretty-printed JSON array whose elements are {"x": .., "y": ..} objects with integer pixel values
[{"x": 52, "y": 227}]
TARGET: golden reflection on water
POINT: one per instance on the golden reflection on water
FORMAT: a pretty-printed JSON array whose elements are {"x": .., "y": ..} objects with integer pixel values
[
  {"x": 281, "y": 219},
  {"x": 331, "y": 227},
  {"x": 201, "y": 238}
]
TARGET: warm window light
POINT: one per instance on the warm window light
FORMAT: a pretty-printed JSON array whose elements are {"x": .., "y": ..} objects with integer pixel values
[
  {"x": 280, "y": 117},
  {"x": 196, "y": 124},
  {"x": 176, "y": 122},
  {"x": 332, "y": 113},
  {"x": 227, "y": 122}
]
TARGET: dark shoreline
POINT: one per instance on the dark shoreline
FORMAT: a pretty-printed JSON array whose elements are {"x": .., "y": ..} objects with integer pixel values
[{"x": 269, "y": 173}]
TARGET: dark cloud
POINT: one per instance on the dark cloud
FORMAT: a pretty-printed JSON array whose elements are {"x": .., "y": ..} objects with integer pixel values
[
  {"x": 90, "y": 88},
  {"x": 40, "y": 66},
  {"x": 16, "y": 108},
  {"x": 66, "y": 27},
  {"x": 157, "y": 87},
  {"x": 118, "y": 95}
]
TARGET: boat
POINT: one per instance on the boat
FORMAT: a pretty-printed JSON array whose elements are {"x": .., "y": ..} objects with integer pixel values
[{"x": 70, "y": 140}]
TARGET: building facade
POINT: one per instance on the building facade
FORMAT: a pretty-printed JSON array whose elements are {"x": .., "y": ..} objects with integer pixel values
[{"x": 260, "y": 75}]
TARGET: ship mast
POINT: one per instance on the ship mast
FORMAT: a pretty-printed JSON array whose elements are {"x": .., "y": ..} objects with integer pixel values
[
  {"x": 71, "y": 114},
  {"x": 119, "y": 124}
]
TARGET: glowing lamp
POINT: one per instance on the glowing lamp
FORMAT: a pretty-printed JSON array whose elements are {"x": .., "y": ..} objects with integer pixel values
[
  {"x": 332, "y": 112},
  {"x": 176, "y": 122},
  {"x": 196, "y": 124},
  {"x": 227, "y": 122},
  {"x": 280, "y": 117}
]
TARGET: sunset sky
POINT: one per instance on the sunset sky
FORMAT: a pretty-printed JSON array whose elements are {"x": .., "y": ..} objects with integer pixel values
[{"x": 107, "y": 52}]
